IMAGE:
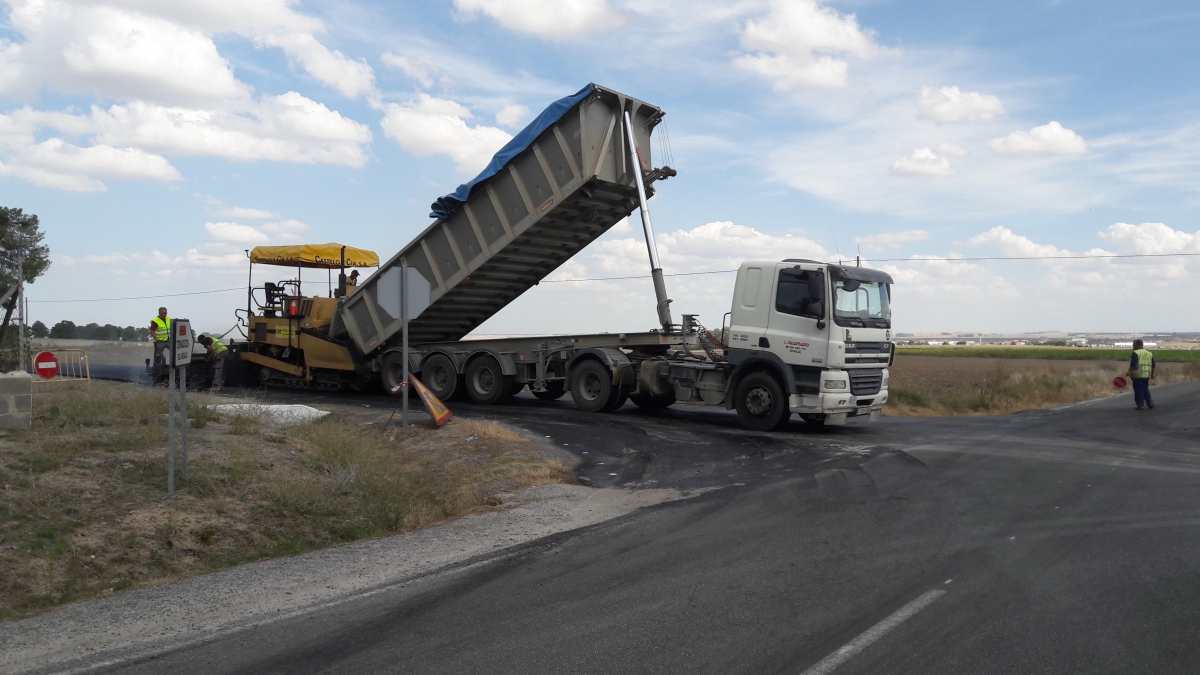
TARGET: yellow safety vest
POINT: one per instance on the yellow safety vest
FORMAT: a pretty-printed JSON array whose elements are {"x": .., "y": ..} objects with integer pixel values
[
  {"x": 162, "y": 330},
  {"x": 1145, "y": 364},
  {"x": 218, "y": 346}
]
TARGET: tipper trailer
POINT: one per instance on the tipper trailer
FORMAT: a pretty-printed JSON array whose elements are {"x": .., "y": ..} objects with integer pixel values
[{"x": 804, "y": 337}]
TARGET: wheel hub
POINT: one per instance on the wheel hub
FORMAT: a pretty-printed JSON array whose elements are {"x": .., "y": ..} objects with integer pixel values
[
  {"x": 758, "y": 401},
  {"x": 591, "y": 386}
]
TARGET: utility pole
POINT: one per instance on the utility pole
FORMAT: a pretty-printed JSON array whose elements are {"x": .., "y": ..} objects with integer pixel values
[{"x": 21, "y": 312}]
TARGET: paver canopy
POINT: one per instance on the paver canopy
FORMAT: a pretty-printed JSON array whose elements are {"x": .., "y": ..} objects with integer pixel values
[{"x": 313, "y": 255}]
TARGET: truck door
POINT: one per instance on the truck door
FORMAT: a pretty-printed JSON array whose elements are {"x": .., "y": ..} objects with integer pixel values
[
  {"x": 799, "y": 303},
  {"x": 751, "y": 299}
]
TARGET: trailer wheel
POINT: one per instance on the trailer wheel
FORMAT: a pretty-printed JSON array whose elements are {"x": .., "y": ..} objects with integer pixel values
[
  {"x": 760, "y": 403},
  {"x": 486, "y": 382},
  {"x": 440, "y": 376},
  {"x": 392, "y": 373},
  {"x": 554, "y": 391},
  {"x": 591, "y": 387},
  {"x": 619, "y": 396}
]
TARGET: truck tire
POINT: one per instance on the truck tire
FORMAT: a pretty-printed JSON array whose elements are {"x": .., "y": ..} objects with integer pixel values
[
  {"x": 591, "y": 387},
  {"x": 554, "y": 391},
  {"x": 646, "y": 402},
  {"x": 619, "y": 396},
  {"x": 486, "y": 381},
  {"x": 391, "y": 374},
  {"x": 760, "y": 402},
  {"x": 440, "y": 376}
]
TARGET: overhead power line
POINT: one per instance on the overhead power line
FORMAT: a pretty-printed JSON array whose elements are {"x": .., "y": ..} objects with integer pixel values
[
  {"x": 907, "y": 260},
  {"x": 147, "y": 297},
  {"x": 690, "y": 274}
]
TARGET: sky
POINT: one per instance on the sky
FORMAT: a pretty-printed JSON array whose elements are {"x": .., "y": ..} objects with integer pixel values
[{"x": 158, "y": 140}]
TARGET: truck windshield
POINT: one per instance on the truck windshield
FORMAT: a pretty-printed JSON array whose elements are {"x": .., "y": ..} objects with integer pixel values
[{"x": 861, "y": 303}]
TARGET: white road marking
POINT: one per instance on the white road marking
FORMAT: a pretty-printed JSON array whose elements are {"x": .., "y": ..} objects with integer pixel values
[{"x": 845, "y": 653}]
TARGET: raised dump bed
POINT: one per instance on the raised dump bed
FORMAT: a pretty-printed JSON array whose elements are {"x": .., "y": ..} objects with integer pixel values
[{"x": 557, "y": 186}]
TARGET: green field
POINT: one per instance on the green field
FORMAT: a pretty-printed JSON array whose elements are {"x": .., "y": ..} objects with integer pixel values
[{"x": 1058, "y": 353}]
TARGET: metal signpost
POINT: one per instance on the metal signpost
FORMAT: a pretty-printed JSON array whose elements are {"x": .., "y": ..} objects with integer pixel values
[
  {"x": 177, "y": 357},
  {"x": 404, "y": 293}
]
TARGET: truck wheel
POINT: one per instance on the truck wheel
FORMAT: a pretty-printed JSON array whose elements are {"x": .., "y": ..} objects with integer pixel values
[
  {"x": 554, "y": 391},
  {"x": 618, "y": 398},
  {"x": 486, "y": 382},
  {"x": 391, "y": 374},
  {"x": 760, "y": 403},
  {"x": 591, "y": 387},
  {"x": 440, "y": 376},
  {"x": 646, "y": 402}
]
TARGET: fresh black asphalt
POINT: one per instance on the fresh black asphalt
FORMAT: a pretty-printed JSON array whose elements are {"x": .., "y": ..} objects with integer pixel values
[{"x": 1065, "y": 541}]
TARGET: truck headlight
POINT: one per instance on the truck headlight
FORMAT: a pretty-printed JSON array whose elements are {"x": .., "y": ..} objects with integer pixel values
[
  {"x": 835, "y": 384},
  {"x": 886, "y": 377}
]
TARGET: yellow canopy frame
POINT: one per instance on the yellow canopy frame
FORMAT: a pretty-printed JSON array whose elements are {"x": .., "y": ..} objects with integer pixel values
[{"x": 321, "y": 256}]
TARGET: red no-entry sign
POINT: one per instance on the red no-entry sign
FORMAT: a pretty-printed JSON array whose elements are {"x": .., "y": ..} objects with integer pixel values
[{"x": 46, "y": 365}]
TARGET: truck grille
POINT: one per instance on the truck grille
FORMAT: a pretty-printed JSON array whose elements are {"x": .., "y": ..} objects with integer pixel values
[
  {"x": 868, "y": 348},
  {"x": 866, "y": 382}
]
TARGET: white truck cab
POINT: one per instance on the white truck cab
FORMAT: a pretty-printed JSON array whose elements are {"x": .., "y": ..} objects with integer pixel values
[{"x": 822, "y": 331}]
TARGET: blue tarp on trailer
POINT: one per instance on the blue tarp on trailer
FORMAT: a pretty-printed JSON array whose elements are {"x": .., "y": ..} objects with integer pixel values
[{"x": 446, "y": 205}]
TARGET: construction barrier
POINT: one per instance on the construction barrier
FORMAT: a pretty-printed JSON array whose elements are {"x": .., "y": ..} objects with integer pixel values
[{"x": 73, "y": 366}]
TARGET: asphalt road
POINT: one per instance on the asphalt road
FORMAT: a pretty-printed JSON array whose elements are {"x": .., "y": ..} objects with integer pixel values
[{"x": 1063, "y": 541}]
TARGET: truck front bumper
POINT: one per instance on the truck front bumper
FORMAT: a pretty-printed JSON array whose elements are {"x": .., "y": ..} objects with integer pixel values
[{"x": 838, "y": 407}]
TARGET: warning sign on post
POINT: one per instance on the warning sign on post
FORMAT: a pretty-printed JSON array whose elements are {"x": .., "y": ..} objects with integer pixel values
[
  {"x": 181, "y": 342},
  {"x": 46, "y": 365}
]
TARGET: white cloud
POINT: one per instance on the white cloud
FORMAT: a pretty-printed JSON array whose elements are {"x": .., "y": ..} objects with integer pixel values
[
  {"x": 947, "y": 105},
  {"x": 890, "y": 240},
  {"x": 176, "y": 94},
  {"x": 1048, "y": 139},
  {"x": 243, "y": 213},
  {"x": 289, "y": 127},
  {"x": 163, "y": 51},
  {"x": 951, "y": 150},
  {"x": 795, "y": 45},
  {"x": 549, "y": 19},
  {"x": 287, "y": 230},
  {"x": 1151, "y": 238},
  {"x": 117, "y": 53},
  {"x": 1012, "y": 244},
  {"x": 418, "y": 69},
  {"x": 432, "y": 126},
  {"x": 98, "y": 160},
  {"x": 923, "y": 162},
  {"x": 236, "y": 234},
  {"x": 329, "y": 67},
  {"x": 511, "y": 115}
]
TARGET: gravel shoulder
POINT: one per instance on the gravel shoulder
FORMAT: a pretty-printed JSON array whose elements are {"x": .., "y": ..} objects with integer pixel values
[{"x": 139, "y": 623}]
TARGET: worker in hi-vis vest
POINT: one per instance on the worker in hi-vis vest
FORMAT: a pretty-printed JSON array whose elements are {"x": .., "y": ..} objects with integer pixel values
[
  {"x": 217, "y": 351},
  {"x": 1141, "y": 371},
  {"x": 160, "y": 332}
]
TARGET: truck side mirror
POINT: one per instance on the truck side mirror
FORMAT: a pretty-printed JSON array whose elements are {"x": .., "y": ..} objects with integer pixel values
[{"x": 816, "y": 309}]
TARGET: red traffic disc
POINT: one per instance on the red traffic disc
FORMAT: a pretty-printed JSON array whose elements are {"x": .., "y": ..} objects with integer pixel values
[
  {"x": 46, "y": 365},
  {"x": 1119, "y": 382}
]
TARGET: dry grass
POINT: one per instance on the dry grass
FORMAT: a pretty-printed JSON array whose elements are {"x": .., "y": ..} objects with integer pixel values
[
  {"x": 83, "y": 511},
  {"x": 932, "y": 385}
]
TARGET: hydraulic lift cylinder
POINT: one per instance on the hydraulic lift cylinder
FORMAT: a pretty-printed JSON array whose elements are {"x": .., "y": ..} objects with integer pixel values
[{"x": 660, "y": 287}]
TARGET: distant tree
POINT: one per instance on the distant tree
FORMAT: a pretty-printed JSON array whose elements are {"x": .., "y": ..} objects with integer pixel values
[
  {"x": 64, "y": 330},
  {"x": 20, "y": 245},
  {"x": 961, "y": 342},
  {"x": 39, "y": 330}
]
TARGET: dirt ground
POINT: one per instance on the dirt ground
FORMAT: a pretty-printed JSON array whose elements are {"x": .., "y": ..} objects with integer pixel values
[
  {"x": 934, "y": 385},
  {"x": 84, "y": 512}
]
